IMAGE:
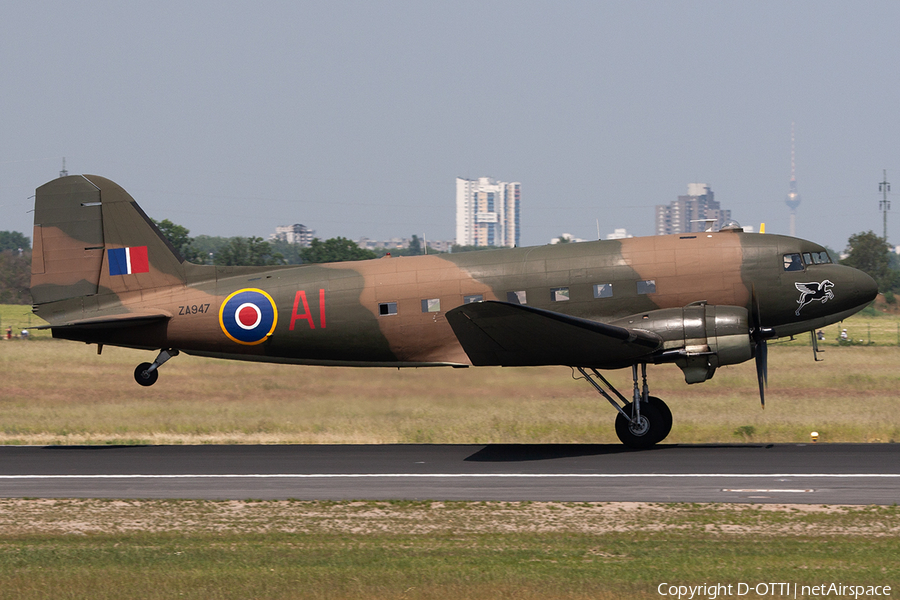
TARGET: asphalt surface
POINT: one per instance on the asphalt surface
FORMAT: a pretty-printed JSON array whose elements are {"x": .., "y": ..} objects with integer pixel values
[{"x": 768, "y": 473}]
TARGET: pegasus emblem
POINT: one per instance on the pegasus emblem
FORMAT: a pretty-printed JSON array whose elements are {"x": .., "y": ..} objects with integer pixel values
[{"x": 813, "y": 291}]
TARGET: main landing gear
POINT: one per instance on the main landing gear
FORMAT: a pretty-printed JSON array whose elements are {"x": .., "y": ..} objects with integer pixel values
[
  {"x": 146, "y": 374},
  {"x": 641, "y": 423}
]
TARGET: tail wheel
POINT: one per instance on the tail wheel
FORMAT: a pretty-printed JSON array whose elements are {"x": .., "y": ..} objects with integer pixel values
[
  {"x": 145, "y": 377},
  {"x": 652, "y": 427}
]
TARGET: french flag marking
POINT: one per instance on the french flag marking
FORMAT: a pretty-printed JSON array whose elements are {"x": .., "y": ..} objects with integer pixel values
[{"x": 128, "y": 261}]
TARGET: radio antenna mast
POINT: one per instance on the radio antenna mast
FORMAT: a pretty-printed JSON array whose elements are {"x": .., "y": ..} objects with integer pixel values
[
  {"x": 793, "y": 198},
  {"x": 884, "y": 205}
]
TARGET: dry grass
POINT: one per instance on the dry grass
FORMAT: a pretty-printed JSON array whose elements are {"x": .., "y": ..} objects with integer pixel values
[
  {"x": 63, "y": 393},
  {"x": 192, "y": 517}
]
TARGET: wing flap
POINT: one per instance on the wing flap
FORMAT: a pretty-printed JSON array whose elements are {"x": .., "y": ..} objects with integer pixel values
[{"x": 499, "y": 333}]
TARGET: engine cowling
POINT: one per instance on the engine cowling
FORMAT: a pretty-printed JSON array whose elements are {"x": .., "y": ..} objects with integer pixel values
[{"x": 698, "y": 338}]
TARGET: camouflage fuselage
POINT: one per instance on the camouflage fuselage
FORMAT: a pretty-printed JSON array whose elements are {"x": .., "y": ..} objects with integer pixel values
[{"x": 377, "y": 312}]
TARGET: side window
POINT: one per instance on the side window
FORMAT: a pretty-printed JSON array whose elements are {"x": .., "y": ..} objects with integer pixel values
[
  {"x": 792, "y": 262},
  {"x": 560, "y": 294},
  {"x": 432, "y": 305},
  {"x": 516, "y": 297},
  {"x": 807, "y": 258},
  {"x": 387, "y": 308},
  {"x": 473, "y": 298},
  {"x": 603, "y": 290},
  {"x": 648, "y": 286}
]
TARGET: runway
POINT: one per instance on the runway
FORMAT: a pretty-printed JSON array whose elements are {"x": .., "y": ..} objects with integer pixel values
[{"x": 764, "y": 473}]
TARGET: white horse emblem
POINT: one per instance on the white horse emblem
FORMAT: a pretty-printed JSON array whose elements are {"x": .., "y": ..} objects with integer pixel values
[{"x": 813, "y": 291}]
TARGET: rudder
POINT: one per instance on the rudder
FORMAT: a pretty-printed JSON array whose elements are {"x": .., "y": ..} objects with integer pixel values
[{"x": 91, "y": 237}]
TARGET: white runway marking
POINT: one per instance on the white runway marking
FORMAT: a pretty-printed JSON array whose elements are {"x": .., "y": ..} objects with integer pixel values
[
  {"x": 461, "y": 476},
  {"x": 770, "y": 491}
]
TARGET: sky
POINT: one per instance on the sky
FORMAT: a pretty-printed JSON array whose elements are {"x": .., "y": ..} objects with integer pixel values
[{"x": 355, "y": 118}]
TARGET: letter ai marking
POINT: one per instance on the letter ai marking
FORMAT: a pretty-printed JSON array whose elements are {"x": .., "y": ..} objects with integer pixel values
[{"x": 306, "y": 315}]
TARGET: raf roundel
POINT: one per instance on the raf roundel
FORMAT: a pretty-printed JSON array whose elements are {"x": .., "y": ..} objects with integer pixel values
[{"x": 248, "y": 316}]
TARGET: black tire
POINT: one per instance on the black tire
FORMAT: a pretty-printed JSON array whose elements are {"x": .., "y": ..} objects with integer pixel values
[
  {"x": 143, "y": 377},
  {"x": 654, "y": 426},
  {"x": 666, "y": 413}
]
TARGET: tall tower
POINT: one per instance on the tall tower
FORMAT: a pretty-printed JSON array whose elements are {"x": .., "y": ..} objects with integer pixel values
[
  {"x": 885, "y": 205},
  {"x": 793, "y": 198}
]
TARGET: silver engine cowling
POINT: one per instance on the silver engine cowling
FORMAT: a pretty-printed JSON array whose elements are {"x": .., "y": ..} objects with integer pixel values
[{"x": 698, "y": 338}]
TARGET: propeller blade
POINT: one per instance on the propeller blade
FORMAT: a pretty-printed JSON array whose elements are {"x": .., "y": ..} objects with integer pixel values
[
  {"x": 762, "y": 370},
  {"x": 760, "y": 335},
  {"x": 754, "y": 312}
]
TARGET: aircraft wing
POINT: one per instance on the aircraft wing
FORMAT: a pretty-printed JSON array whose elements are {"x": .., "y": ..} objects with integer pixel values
[{"x": 498, "y": 333}]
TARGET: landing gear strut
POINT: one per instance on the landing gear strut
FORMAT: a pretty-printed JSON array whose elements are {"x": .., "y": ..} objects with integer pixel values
[
  {"x": 146, "y": 374},
  {"x": 641, "y": 423}
]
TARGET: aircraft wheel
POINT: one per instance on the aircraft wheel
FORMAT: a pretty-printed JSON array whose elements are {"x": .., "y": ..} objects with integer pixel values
[
  {"x": 143, "y": 377},
  {"x": 652, "y": 428},
  {"x": 666, "y": 413}
]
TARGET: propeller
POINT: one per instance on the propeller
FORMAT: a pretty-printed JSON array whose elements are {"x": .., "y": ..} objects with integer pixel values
[
  {"x": 762, "y": 369},
  {"x": 760, "y": 334}
]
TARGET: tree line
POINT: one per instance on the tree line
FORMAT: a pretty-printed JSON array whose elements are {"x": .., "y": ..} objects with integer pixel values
[
  {"x": 870, "y": 252},
  {"x": 254, "y": 251},
  {"x": 15, "y": 268}
]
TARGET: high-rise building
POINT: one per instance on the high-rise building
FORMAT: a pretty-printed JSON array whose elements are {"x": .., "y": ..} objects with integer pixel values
[
  {"x": 697, "y": 211},
  {"x": 294, "y": 234},
  {"x": 487, "y": 212}
]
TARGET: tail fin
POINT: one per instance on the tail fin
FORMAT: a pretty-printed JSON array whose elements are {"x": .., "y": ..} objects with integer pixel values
[{"x": 91, "y": 237}]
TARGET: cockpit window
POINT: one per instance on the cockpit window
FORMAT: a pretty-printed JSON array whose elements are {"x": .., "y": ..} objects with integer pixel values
[{"x": 792, "y": 262}]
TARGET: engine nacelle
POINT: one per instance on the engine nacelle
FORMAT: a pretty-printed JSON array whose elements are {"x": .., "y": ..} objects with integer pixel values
[{"x": 698, "y": 338}]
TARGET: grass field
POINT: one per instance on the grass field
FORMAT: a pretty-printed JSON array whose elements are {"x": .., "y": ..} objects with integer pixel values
[
  {"x": 19, "y": 317},
  {"x": 198, "y": 549}
]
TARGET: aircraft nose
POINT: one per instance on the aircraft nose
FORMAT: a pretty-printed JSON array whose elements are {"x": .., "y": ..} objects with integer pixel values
[{"x": 864, "y": 286}]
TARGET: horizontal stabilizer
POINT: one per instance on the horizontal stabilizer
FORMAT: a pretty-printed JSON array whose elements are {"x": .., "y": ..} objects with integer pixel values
[
  {"x": 109, "y": 321},
  {"x": 498, "y": 333}
]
